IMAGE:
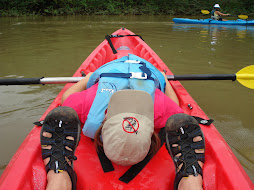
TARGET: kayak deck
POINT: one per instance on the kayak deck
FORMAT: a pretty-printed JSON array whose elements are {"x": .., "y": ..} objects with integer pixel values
[
  {"x": 211, "y": 21},
  {"x": 222, "y": 170}
]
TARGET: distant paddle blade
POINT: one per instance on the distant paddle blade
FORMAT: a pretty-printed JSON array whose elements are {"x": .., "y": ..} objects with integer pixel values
[
  {"x": 205, "y": 12},
  {"x": 244, "y": 17},
  {"x": 246, "y": 76}
]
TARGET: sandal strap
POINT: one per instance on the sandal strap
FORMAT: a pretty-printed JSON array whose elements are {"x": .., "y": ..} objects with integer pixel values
[
  {"x": 45, "y": 153},
  {"x": 198, "y": 145},
  {"x": 186, "y": 147},
  {"x": 196, "y": 132},
  {"x": 201, "y": 157},
  {"x": 70, "y": 144},
  {"x": 71, "y": 173},
  {"x": 47, "y": 141},
  {"x": 48, "y": 128},
  {"x": 70, "y": 133},
  {"x": 174, "y": 139},
  {"x": 194, "y": 168}
]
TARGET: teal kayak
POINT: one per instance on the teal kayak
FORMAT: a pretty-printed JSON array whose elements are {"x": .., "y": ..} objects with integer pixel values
[{"x": 211, "y": 21}]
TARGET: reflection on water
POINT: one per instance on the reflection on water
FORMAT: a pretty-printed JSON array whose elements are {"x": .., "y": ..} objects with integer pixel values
[
  {"x": 225, "y": 40},
  {"x": 188, "y": 27},
  {"x": 56, "y": 46},
  {"x": 215, "y": 31}
]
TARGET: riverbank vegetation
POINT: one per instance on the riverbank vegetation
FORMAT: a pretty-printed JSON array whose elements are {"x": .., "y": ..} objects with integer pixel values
[{"x": 120, "y": 7}]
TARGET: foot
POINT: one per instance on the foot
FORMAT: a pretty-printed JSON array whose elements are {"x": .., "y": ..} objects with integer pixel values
[
  {"x": 60, "y": 135},
  {"x": 185, "y": 143}
]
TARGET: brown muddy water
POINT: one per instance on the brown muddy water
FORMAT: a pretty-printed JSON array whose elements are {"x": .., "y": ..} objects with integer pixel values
[{"x": 56, "y": 46}]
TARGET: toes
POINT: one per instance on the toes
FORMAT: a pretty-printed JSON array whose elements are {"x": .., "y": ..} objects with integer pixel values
[
  {"x": 174, "y": 145},
  {"x": 46, "y": 161},
  {"x": 46, "y": 134},
  {"x": 197, "y": 139},
  {"x": 67, "y": 160},
  {"x": 70, "y": 138},
  {"x": 200, "y": 164},
  {"x": 179, "y": 167},
  {"x": 199, "y": 150},
  {"x": 68, "y": 148},
  {"x": 48, "y": 147}
]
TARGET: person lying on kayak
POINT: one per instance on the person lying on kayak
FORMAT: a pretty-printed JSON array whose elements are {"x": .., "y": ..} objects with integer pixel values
[
  {"x": 127, "y": 129},
  {"x": 216, "y": 14}
]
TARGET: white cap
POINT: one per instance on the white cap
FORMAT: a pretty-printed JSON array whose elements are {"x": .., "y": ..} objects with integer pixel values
[
  {"x": 127, "y": 132},
  {"x": 216, "y": 6}
]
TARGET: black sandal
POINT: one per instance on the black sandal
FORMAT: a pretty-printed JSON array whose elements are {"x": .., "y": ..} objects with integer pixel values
[
  {"x": 180, "y": 130},
  {"x": 61, "y": 122}
]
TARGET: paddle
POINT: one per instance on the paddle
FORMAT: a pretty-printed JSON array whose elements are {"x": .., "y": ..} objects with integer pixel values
[
  {"x": 244, "y": 17},
  {"x": 245, "y": 76},
  {"x": 50, "y": 80}
]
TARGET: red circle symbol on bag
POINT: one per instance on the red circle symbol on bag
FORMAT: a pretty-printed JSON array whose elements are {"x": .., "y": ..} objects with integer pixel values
[{"x": 130, "y": 125}]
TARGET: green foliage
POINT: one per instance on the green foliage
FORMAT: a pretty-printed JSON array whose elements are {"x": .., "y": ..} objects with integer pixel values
[{"x": 120, "y": 7}]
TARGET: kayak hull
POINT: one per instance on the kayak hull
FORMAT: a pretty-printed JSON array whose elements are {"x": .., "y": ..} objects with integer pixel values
[
  {"x": 222, "y": 170},
  {"x": 211, "y": 21}
]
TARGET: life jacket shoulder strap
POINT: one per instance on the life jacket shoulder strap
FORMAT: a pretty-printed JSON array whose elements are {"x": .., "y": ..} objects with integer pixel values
[{"x": 134, "y": 170}]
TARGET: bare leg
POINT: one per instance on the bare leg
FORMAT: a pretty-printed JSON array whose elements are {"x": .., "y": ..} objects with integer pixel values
[
  {"x": 58, "y": 181},
  {"x": 191, "y": 183}
]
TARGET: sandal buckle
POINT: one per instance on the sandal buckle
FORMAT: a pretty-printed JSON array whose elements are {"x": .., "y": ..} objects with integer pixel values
[{"x": 195, "y": 170}]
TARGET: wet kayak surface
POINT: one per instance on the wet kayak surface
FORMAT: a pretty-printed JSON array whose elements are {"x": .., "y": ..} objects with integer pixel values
[{"x": 56, "y": 46}]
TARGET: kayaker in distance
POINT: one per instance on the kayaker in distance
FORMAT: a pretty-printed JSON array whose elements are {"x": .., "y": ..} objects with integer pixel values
[
  {"x": 216, "y": 14},
  {"x": 127, "y": 129}
]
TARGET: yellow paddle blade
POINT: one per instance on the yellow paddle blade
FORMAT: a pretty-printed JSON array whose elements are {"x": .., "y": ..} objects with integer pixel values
[
  {"x": 205, "y": 12},
  {"x": 246, "y": 76},
  {"x": 243, "y": 17}
]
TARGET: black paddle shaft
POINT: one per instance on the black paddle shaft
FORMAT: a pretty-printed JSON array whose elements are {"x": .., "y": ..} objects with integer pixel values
[
  {"x": 62, "y": 80},
  {"x": 20, "y": 81},
  {"x": 203, "y": 77}
]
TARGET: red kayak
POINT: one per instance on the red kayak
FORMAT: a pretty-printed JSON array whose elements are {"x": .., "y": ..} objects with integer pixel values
[{"x": 221, "y": 170}]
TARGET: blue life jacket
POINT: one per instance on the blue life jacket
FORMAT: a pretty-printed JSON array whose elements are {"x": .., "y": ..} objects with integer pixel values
[{"x": 128, "y": 72}]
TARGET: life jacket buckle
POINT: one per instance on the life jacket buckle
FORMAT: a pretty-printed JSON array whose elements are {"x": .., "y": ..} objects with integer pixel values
[
  {"x": 132, "y": 61},
  {"x": 138, "y": 75}
]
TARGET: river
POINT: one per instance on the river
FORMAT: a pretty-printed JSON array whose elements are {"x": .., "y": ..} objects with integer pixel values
[{"x": 56, "y": 46}]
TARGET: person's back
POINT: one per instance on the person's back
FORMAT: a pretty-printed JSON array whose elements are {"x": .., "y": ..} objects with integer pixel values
[{"x": 216, "y": 14}]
